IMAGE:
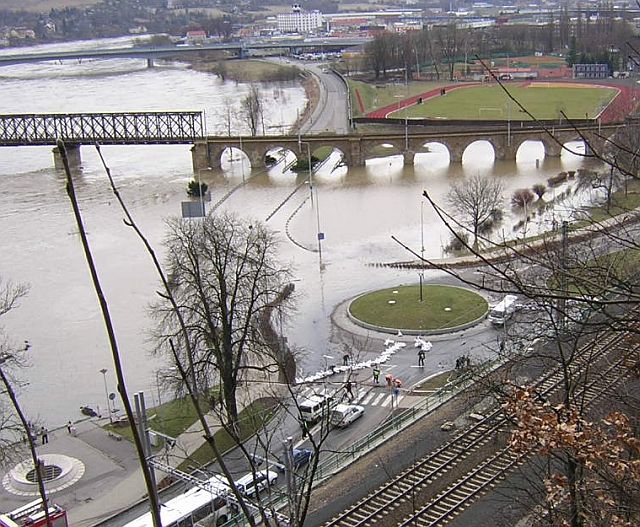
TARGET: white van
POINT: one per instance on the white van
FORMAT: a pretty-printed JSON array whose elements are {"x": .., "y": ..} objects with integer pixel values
[
  {"x": 249, "y": 485},
  {"x": 503, "y": 310},
  {"x": 314, "y": 407}
]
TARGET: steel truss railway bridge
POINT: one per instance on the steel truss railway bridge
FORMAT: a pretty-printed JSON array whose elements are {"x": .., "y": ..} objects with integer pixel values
[
  {"x": 100, "y": 128},
  {"x": 188, "y": 128}
]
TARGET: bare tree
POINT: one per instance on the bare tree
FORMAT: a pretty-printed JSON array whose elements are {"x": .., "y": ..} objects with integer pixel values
[
  {"x": 252, "y": 109},
  {"x": 154, "y": 504},
  {"x": 13, "y": 422},
  {"x": 222, "y": 273},
  {"x": 275, "y": 355},
  {"x": 229, "y": 115},
  {"x": 475, "y": 201}
]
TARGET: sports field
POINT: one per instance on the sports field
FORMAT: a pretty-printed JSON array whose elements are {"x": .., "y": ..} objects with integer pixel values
[{"x": 545, "y": 100}]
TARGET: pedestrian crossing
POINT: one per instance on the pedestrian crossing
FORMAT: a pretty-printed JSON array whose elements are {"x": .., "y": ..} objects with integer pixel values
[{"x": 378, "y": 395}]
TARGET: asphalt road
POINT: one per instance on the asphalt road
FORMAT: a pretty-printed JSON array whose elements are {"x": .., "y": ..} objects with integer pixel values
[{"x": 332, "y": 112}]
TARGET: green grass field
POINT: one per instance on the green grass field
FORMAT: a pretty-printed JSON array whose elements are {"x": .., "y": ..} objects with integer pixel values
[
  {"x": 491, "y": 103},
  {"x": 379, "y": 95},
  {"x": 400, "y": 307}
]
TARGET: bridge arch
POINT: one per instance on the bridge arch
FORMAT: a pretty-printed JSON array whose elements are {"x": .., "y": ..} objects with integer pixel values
[
  {"x": 528, "y": 150},
  {"x": 382, "y": 148},
  {"x": 485, "y": 146}
]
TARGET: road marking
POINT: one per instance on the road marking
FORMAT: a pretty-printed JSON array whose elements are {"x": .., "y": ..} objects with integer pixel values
[
  {"x": 387, "y": 400},
  {"x": 360, "y": 395},
  {"x": 368, "y": 398}
]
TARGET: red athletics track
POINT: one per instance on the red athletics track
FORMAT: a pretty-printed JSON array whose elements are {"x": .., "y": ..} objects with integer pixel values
[{"x": 382, "y": 113}]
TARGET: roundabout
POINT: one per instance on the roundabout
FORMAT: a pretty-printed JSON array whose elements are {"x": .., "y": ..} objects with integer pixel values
[{"x": 418, "y": 310}]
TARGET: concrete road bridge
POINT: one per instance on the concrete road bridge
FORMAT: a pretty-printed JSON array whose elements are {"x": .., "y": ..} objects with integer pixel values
[
  {"x": 357, "y": 148},
  {"x": 150, "y": 53}
]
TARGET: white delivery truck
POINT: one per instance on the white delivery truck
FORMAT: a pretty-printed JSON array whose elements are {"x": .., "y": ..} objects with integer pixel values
[
  {"x": 314, "y": 407},
  {"x": 503, "y": 310}
]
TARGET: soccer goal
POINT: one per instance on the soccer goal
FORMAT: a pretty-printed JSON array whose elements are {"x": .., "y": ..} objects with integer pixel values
[{"x": 490, "y": 112}]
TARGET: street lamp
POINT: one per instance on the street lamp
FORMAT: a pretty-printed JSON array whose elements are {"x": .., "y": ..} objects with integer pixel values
[
  {"x": 421, "y": 274},
  {"x": 300, "y": 143},
  {"x": 106, "y": 392},
  {"x": 326, "y": 358},
  {"x": 406, "y": 122}
]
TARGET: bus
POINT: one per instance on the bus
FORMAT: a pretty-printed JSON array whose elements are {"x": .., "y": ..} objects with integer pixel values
[
  {"x": 32, "y": 515},
  {"x": 206, "y": 505}
]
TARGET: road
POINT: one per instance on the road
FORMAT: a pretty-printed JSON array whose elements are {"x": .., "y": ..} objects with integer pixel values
[{"x": 332, "y": 111}]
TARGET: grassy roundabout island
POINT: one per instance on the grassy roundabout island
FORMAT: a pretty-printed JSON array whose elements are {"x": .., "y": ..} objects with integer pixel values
[{"x": 444, "y": 308}]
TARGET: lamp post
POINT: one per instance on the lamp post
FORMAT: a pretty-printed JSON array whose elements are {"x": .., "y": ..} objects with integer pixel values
[
  {"x": 319, "y": 233},
  {"x": 300, "y": 143},
  {"x": 421, "y": 274},
  {"x": 106, "y": 393},
  {"x": 406, "y": 122},
  {"x": 326, "y": 358}
]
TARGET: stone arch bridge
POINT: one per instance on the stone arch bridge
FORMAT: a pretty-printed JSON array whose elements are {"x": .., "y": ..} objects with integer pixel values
[{"x": 357, "y": 148}]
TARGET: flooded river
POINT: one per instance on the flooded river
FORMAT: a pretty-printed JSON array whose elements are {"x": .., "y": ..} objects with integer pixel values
[{"x": 358, "y": 209}]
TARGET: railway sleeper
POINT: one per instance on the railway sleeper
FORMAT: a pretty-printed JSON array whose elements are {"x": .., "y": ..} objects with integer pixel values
[{"x": 370, "y": 508}]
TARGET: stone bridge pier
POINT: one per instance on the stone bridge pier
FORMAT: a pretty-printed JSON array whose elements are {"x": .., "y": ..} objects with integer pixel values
[{"x": 73, "y": 157}]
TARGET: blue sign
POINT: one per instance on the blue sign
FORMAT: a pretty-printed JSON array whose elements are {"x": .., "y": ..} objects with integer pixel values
[{"x": 321, "y": 236}]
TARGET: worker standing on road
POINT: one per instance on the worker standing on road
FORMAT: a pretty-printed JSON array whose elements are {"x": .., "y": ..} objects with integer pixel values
[
  {"x": 348, "y": 390},
  {"x": 389, "y": 378},
  {"x": 421, "y": 357},
  {"x": 376, "y": 375}
]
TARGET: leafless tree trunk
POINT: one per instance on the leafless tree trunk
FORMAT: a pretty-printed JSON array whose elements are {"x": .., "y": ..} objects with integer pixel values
[
  {"x": 252, "y": 109},
  {"x": 122, "y": 389},
  {"x": 474, "y": 201}
]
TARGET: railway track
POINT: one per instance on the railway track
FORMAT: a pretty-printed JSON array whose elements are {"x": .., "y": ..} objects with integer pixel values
[
  {"x": 458, "y": 496},
  {"x": 434, "y": 466}
]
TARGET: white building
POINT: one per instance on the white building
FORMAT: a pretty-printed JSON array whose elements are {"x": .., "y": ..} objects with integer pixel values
[{"x": 299, "y": 21}]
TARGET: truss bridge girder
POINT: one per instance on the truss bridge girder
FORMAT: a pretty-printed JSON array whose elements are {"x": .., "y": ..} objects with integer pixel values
[{"x": 102, "y": 128}]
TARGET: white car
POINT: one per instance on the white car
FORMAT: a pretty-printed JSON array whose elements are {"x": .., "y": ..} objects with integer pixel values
[
  {"x": 247, "y": 485},
  {"x": 345, "y": 414}
]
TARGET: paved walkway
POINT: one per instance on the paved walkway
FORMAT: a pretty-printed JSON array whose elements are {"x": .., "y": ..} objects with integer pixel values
[{"x": 112, "y": 480}]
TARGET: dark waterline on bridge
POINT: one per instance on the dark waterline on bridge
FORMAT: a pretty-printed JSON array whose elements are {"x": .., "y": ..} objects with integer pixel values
[{"x": 358, "y": 214}]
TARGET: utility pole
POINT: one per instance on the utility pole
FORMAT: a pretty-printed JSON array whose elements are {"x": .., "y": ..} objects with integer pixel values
[
  {"x": 564, "y": 283},
  {"x": 143, "y": 430},
  {"x": 292, "y": 494}
]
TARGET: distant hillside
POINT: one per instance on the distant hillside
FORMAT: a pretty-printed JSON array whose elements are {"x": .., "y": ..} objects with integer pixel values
[{"x": 43, "y": 6}]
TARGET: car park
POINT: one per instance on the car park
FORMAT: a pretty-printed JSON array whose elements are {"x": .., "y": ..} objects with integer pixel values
[
  {"x": 345, "y": 414},
  {"x": 251, "y": 485}
]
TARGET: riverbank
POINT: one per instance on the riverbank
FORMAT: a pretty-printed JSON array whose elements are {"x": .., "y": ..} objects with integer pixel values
[{"x": 263, "y": 71}]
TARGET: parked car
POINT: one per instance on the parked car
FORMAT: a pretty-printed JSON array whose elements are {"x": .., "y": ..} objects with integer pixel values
[
  {"x": 345, "y": 414},
  {"x": 248, "y": 485},
  {"x": 301, "y": 456}
]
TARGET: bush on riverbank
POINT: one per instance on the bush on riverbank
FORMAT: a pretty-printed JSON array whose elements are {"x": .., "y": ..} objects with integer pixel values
[{"x": 252, "y": 71}]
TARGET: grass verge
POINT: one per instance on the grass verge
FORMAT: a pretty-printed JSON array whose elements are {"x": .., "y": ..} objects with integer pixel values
[
  {"x": 252, "y": 419},
  {"x": 400, "y": 307},
  {"x": 433, "y": 384},
  {"x": 171, "y": 418}
]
